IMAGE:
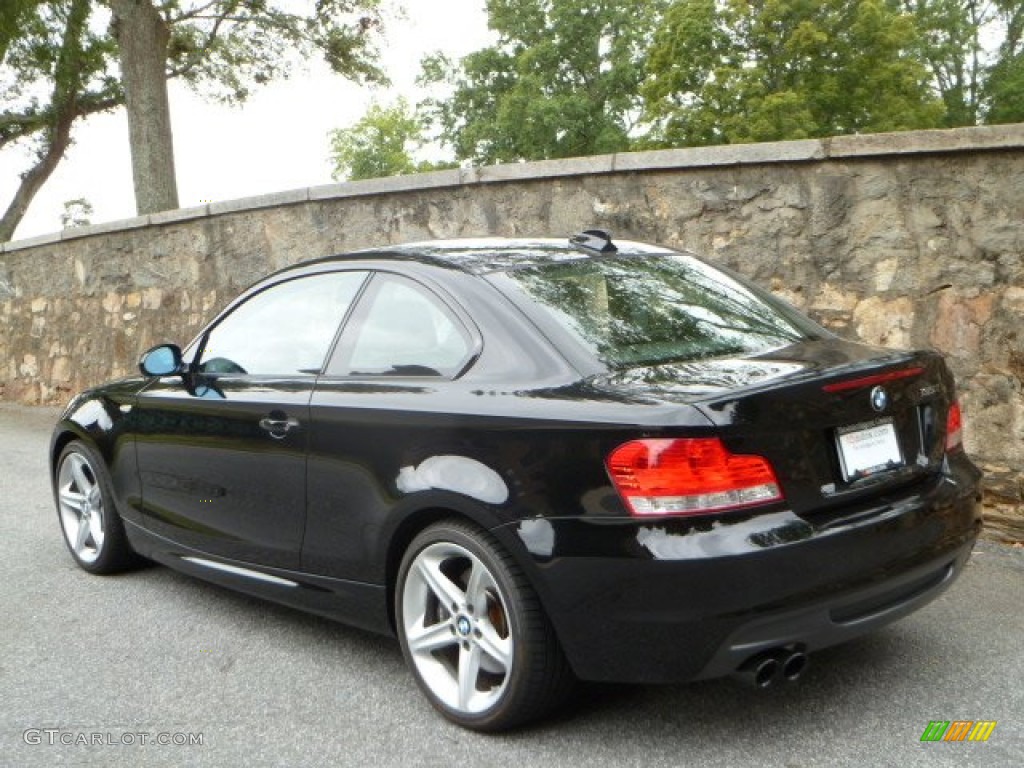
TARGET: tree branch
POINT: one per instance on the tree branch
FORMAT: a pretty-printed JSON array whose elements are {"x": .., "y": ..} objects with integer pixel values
[
  {"x": 191, "y": 61},
  {"x": 33, "y": 180},
  {"x": 195, "y": 13},
  {"x": 67, "y": 82},
  {"x": 15, "y": 126}
]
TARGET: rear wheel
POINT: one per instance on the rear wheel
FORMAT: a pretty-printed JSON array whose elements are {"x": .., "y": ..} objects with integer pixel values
[
  {"x": 474, "y": 633},
  {"x": 92, "y": 528}
]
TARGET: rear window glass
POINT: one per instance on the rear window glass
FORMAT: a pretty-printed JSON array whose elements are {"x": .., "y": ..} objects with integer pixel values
[{"x": 649, "y": 310}]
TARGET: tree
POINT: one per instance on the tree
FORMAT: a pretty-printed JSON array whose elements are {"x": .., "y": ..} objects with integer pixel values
[
  {"x": 381, "y": 143},
  {"x": 13, "y": 14},
  {"x": 561, "y": 81},
  {"x": 77, "y": 213},
  {"x": 951, "y": 46},
  {"x": 142, "y": 36},
  {"x": 1004, "y": 84},
  {"x": 731, "y": 71},
  {"x": 1005, "y": 91},
  {"x": 228, "y": 42},
  {"x": 220, "y": 48},
  {"x": 53, "y": 46}
]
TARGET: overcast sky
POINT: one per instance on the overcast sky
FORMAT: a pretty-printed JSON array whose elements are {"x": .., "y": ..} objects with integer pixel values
[{"x": 276, "y": 141}]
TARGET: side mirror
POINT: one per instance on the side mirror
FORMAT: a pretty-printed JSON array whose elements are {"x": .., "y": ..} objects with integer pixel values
[{"x": 162, "y": 360}]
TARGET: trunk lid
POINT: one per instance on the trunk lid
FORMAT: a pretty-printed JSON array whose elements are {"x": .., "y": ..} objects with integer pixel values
[{"x": 837, "y": 420}]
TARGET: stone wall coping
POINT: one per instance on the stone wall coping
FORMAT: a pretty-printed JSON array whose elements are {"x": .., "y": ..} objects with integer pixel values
[{"x": 955, "y": 140}]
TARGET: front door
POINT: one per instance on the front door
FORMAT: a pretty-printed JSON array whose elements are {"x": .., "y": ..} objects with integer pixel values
[{"x": 222, "y": 449}]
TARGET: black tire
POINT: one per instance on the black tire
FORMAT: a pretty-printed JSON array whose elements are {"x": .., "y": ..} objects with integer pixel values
[
  {"x": 521, "y": 672},
  {"x": 83, "y": 488}
]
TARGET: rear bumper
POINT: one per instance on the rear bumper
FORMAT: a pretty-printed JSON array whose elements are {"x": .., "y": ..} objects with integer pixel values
[
  {"x": 676, "y": 600},
  {"x": 831, "y": 622}
]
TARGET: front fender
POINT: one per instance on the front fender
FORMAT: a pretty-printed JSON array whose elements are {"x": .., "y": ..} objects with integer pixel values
[{"x": 103, "y": 419}]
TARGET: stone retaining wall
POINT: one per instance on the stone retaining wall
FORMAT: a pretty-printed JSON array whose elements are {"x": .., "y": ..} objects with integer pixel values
[{"x": 910, "y": 239}]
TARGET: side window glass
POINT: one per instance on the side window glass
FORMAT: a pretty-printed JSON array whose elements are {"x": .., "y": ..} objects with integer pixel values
[
  {"x": 284, "y": 330},
  {"x": 404, "y": 330}
]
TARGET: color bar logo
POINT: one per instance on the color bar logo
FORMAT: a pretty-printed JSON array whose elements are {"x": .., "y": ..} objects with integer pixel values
[{"x": 958, "y": 730}]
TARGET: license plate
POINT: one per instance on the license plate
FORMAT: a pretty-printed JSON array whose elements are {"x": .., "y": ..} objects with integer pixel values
[{"x": 865, "y": 449}]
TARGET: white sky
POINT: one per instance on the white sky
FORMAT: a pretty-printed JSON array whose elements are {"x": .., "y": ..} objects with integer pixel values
[{"x": 276, "y": 141}]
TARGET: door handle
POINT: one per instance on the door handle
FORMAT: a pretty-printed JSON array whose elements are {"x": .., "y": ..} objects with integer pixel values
[{"x": 278, "y": 425}]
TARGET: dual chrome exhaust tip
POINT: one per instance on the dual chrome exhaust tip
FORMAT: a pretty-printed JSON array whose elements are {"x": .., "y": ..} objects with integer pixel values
[{"x": 765, "y": 669}]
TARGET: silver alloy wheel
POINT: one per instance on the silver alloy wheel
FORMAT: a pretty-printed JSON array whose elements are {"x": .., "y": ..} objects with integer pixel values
[
  {"x": 457, "y": 628},
  {"x": 81, "y": 507}
]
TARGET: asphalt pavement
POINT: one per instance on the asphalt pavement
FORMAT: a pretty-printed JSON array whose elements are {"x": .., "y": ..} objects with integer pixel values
[{"x": 98, "y": 671}]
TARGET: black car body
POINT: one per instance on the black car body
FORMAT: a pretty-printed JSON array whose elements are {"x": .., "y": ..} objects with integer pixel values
[{"x": 308, "y": 485}]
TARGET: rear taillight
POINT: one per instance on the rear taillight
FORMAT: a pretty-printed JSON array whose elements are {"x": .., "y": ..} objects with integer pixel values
[
  {"x": 954, "y": 428},
  {"x": 689, "y": 476}
]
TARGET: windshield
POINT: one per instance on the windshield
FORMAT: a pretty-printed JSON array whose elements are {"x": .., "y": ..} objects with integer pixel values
[{"x": 630, "y": 311}]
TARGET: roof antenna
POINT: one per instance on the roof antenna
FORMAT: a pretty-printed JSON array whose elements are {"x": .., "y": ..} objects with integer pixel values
[{"x": 593, "y": 241}]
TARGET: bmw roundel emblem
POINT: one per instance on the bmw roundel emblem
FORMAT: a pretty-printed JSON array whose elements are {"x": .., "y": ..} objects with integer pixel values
[{"x": 879, "y": 399}]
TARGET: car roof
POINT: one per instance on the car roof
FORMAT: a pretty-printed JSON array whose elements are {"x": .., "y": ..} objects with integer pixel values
[{"x": 489, "y": 254}]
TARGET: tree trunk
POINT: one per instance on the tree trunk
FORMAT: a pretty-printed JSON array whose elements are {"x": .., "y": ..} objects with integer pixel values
[
  {"x": 142, "y": 37},
  {"x": 66, "y": 91},
  {"x": 33, "y": 180}
]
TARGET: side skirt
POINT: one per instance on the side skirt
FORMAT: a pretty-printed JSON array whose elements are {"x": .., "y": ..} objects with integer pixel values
[{"x": 349, "y": 602}]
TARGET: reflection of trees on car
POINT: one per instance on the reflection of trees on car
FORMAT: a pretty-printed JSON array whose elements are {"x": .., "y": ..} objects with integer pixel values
[
  {"x": 221, "y": 365},
  {"x": 657, "y": 310}
]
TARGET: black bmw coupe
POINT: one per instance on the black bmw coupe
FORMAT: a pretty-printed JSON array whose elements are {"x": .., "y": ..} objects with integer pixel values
[{"x": 533, "y": 461}]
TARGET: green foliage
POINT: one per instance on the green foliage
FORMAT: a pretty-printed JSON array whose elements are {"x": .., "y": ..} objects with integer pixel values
[
  {"x": 561, "y": 81},
  {"x": 13, "y": 15},
  {"x": 1005, "y": 91},
  {"x": 972, "y": 48},
  {"x": 55, "y": 69},
  {"x": 950, "y": 46},
  {"x": 38, "y": 77},
  {"x": 380, "y": 143},
  {"x": 54, "y": 43},
  {"x": 734, "y": 71},
  {"x": 222, "y": 48},
  {"x": 1004, "y": 86}
]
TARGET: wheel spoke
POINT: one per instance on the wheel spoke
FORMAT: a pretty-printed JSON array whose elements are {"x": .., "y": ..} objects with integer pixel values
[
  {"x": 83, "y": 534},
  {"x": 469, "y": 671},
  {"x": 96, "y": 529},
  {"x": 423, "y": 639},
  {"x": 71, "y": 499},
  {"x": 81, "y": 480},
  {"x": 475, "y": 594},
  {"x": 498, "y": 648},
  {"x": 442, "y": 587}
]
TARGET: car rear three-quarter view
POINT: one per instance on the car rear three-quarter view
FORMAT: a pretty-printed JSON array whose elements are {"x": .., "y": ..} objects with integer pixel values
[{"x": 534, "y": 461}]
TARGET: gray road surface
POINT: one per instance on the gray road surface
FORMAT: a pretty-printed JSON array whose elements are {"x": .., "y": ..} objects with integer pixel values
[{"x": 150, "y": 653}]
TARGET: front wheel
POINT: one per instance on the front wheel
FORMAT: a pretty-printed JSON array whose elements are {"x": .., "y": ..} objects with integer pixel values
[
  {"x": 91, "y": 526},
  {"x": 474, "y": 633}
]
